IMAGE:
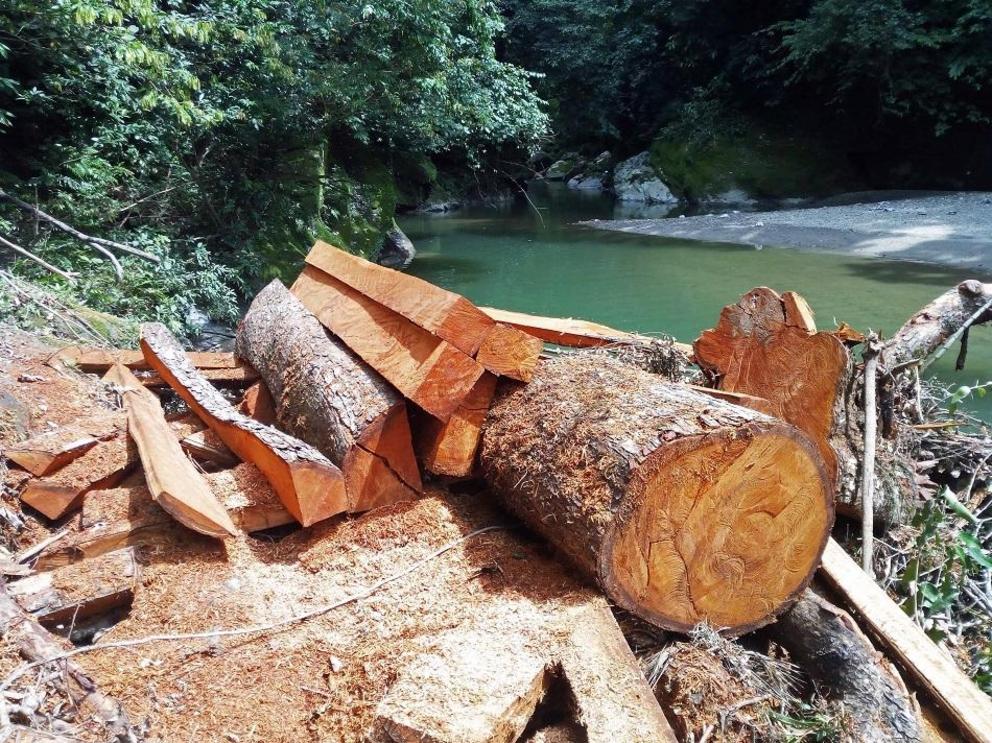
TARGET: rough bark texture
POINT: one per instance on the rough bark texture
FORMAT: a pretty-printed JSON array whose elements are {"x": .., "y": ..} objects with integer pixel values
[
  {"x": 309, "y": 485},
  {"x": 827, "y": 644},
  {"x": 329, "y": 398},
  {"x": 682, "y": 507},
  {"x": 925, "y": 331},
  {"x": 424, "y": 368},
  {"x": 35, "y": 644}
]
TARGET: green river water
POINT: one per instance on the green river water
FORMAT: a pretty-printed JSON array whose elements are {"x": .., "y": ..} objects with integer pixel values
[{"x": 508, "y": 257}]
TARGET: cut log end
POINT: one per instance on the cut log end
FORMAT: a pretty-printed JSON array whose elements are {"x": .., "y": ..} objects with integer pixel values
[
  {"x": 319, "y": 489},
  {"x": 727, "y": 528}
]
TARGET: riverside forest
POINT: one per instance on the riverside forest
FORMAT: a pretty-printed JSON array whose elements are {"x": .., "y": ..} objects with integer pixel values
[{"x": 517, "y": 370}]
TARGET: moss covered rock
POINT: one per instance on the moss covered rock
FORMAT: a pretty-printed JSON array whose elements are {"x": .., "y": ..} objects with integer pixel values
[{"x": 750, "y": 163}]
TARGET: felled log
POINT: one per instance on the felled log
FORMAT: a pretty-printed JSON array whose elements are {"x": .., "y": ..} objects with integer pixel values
[
  {"x": 934, "y": 324},
  {"x": 425, "y": 369},
  {"x": 926, "y": 664},
  {"x": 76, "y": 592},
  {"x": 329, "y": 398},
  {"x": 238, "y": 376},
  {"x": 502, "y": 349},
  {"x": 34, "y": 643},
  {"x": 450, "y": 447},
  {"x": 309, "y": 485},
  {"x": 766, "y": 345},
  {"x": 682, "y": 507},
  {"x": 827, "y": 644},
  {"x": 48, "y": 452},
  {"x": 103, "y": 466},
  {"x": 174, "y": 482}
]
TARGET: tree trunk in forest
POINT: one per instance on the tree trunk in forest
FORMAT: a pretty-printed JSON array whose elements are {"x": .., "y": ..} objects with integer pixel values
[
  {"x": 308, "y": 484},
  {"x": 326, "y": 396},
  {"x": 682, "y": 507},
  {"x": 830, "y": 648}
]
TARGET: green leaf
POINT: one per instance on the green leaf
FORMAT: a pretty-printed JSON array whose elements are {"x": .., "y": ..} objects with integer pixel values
[
  {"x": 974, "y": 550},
  {"x": 957, "y": 506}
]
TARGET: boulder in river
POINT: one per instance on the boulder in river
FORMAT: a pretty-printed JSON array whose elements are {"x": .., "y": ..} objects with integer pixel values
[
  {"x": 595, "y": 175},
  {"x": 397, "y": 249},
  {"x": 563, "y": 169},
  {"x": 637, "y": 180}
]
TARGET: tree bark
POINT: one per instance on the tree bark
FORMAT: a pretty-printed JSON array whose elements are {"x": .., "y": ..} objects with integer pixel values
[
  {"x": 682, "y": 507},
  {"x": 326, "y": 396},
  {"x": 827, "y": 644}
]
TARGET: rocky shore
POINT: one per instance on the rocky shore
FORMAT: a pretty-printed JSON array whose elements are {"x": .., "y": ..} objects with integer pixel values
[{"x": 953, "y": 229}]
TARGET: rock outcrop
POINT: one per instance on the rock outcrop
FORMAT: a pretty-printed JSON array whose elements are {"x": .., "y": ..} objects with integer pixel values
[
  {"x": 637, "y": 180},
  {"x": 397, "y": 249}
]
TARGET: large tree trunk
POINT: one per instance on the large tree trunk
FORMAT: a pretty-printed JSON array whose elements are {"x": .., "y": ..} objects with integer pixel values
[
  {"x": 326, "y": 396},
  {"x": 828, "y": 645},
  {"x": 684, "y": 508}
]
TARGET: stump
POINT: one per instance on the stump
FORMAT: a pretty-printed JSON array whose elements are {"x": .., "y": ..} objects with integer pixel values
[
  {"x": 682, "y": 507},
  {"x": 326, "y": 396}
]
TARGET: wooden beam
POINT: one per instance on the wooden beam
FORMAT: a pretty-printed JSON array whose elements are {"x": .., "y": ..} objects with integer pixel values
[
  {"x": 100, "y": 360},
  {"x": 450, "y": 447},
  {"x": 423, "y": 368},
  {"x": 447, "y": 315},
  {"x": 309, "y": 485},
  {"x": 236, "y": 377},
  {"x": 103, "y": 466},
  {"x": 929, "y": 667},
  {"x": 48, "y": 452},
  {"x": 251, "y": 501},
  {"x": 570, "y": 331},
  {"x": 74, "y": 592},
  {"x": 175, "y": 484},
  {"x": 206, "y": 446},
  {"x": 501, "y": 349}
]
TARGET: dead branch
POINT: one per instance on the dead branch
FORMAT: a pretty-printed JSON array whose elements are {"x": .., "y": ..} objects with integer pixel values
[
  {"x": 98, "y": 243},
  {"x": 68, "y": 275},
  {"x": 868, "y": 463}
]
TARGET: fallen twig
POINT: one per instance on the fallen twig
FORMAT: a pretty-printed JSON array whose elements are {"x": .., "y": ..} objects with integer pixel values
[
  {"x": 868, "y": 466},
  {"x": 36, "y": 549},
  {"x": 237, "y": 631},
  {"x": 68, "y": 275}
]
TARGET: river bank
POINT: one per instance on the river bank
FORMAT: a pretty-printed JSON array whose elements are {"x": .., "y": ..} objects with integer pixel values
[{"x": 949, "y": 229}]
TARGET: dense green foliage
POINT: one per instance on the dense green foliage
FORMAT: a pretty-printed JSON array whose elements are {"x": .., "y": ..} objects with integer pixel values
[
  {"x": 212, "y": 132},
  {"x": 886, "y": 79}
]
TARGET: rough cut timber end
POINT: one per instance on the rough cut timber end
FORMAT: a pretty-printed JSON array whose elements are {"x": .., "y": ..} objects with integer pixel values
[
  {"x": 258, "y": 404},
  {"x": 445, "y": 314},
  {"x": 766, "y": 346},
  {"x": 173, "y": 480},
  {"x": 450, "y": 448},
  {"x": 510, "y": 352},
  {"x": 682, "y": 507},
  {"x": 41, "y": 458},
  {"x": 103, "y": 466},
  {"x": 76, "y": 592},
  {"x": 311, "y": 488},
  {"x": 425, "y": 369},
  {"x": 326, "y": 395}
]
